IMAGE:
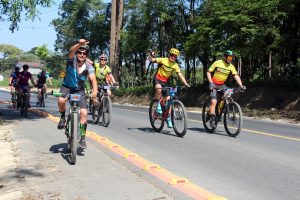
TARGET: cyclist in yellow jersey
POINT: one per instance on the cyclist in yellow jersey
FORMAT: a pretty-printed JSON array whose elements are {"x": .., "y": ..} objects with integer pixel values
[
  {"x": 103, "y": 72},
  {"x": 166, "y": 67},
  {"x": 217, "y": 75}
]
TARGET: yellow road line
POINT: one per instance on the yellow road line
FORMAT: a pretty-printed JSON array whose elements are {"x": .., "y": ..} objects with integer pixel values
[{"x": 180, "y": 183}]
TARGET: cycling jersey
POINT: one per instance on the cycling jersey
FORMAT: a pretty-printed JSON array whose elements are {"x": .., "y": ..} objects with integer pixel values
[
  {"x": 220, "y": 71},
  {"x": 42, "y": 78},
  {"x": 24, "y": 78},
  {"x": 101, "y": 73},
  {"x": 75, "y": 76},
  {"x": 14, "y": 76},
  {"x": 165, "y": 69}
]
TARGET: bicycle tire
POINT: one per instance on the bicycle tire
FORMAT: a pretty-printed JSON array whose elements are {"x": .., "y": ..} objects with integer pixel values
[
  {"x": 153, "y": 116},
  {"x": 95, "y": 114},
  {"x": 178, "y": 114},
  {"x": 231, "y": 109},
  {"x": 206, "y": 118},
  {"x": 106, "y": 112},
  {"x": 73, "y": 137}
]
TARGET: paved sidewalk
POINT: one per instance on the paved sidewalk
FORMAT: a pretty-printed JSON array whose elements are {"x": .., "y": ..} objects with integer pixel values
[{"x": 34, "y": 166}]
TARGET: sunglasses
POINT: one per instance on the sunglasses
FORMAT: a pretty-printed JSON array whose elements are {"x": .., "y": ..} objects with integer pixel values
[
  {"x": 103, "y": 59},
  {"x": 82, "y": 53}
]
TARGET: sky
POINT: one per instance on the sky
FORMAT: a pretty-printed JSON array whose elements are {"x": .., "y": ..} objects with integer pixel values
[{"x": 32, "y": 34}]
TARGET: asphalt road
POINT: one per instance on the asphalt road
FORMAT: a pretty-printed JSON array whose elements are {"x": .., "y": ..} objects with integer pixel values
[{"x": 261, "y": 163}]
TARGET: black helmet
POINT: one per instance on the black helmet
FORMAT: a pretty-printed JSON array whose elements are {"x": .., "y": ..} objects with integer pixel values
[
  {"x": 85, "y": 47},
  {"x": 17, "y": 68},
  {"x": 25, "y": 67}
]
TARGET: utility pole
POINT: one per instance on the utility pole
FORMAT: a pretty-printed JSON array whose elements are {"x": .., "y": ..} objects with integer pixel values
[{"x": 115, "y": 37}]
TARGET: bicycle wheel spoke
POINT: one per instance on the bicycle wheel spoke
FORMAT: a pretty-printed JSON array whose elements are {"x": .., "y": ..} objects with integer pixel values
[
  {"x": 179, "y": 118},
  {"x": 233, "y": 119}
]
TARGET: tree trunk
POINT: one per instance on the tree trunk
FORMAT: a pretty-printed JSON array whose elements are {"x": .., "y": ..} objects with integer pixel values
[
  {"x": 115, "y": 36},
  {"x": 270, "y": 65}
]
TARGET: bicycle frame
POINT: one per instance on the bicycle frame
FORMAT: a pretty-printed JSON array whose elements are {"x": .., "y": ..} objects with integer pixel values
[{"x": 166, "y": 104}]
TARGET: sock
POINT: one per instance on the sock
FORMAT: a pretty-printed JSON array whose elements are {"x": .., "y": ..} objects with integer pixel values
[
  {"x": 62, "y": 116},
  {"x": 82, "y": 128}
]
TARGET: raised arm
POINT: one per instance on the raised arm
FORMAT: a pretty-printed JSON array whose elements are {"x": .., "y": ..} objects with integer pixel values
[{"x": 76, "y": 47}]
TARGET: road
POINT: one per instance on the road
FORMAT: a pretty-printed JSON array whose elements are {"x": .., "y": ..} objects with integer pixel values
[{"x": 261, "y": 163}]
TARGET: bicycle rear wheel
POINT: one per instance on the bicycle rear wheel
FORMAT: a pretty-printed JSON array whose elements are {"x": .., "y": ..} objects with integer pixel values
[
  {"x": 73, "y": 140},
  {"x": 106, "y": 113},
  {"x": 206, "y": 117},
  {"x": 233, "y": 119},
  {"x": 179, "y": 118},
  {"x": 156, "y": 121}
]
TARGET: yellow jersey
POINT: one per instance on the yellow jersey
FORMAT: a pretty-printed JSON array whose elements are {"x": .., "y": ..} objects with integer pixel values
[
  {"x": 165, "y": 69},
  {"x": 220, "y": 71},
  {"x": 101, "y": 73}
]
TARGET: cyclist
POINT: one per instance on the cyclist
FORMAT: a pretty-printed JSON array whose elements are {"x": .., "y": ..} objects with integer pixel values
[
  {"x": 42, "y": 77},
  {"x": 77, "y": 71},
  {"x": 166, "y": 67},
  {"x": 217, "y": 75},
  {"x": 103, "y": 72},
  {"x": 13, "y": 80},
  {"x": 22, "y": 83}
]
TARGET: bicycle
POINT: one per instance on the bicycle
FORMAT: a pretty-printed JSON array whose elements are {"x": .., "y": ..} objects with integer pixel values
[
  {"x": 14, "y": 99},
  {"x": 226, "y": 106},
  {"x": 41, "y": 99},
  {"x": 178, "y": 112},
  {"x": 24, "y": 101},
  {"x": 72, "y": 129},
  {"x": 104, "y": 107}
]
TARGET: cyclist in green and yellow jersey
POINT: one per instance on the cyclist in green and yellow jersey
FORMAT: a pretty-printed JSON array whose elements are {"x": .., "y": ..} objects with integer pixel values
[
  {"x": 217, "y": 75},
  {"x": 166, "y": 67},
  {"x": 103, "y": 72}
]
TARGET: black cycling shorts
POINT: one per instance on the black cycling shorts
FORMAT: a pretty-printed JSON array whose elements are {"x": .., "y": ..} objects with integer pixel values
[{"x": 82, "y": 103}]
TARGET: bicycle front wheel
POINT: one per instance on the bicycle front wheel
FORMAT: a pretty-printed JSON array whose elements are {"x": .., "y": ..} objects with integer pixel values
[
  {"x": 156, "y": 120},
  {"x": 179, "y": 118},
  {"x": 233, "y": 119},
  {"x": 206, "y": 117},
  {"x": 73, "y": 140},
  {"x": 106, "y": 113}
]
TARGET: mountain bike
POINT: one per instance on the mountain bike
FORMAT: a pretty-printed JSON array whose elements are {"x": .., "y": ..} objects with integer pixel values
[
  {"x": 24, "y": 101},
  {"x": 103, "y": 108},
  {"x": 178, "y": 112},
  {"x": 41, "y": 99},
  {"x": 226, "y": 107},
  {"x": 14, "y": 99},
  {"x": 72, "y": 129}
]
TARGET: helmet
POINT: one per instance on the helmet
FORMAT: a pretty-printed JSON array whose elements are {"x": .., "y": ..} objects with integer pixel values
[
  {"x": 228, "y": 53},
  {"x": 85, "y": 47},
  {"x": 43, "y": 70},
  {"x": 174, "y": 51},
  {"x": 17, "y": 68},
  {"x": 103, "y": 56},
  {"x": 25, "y": 67}
]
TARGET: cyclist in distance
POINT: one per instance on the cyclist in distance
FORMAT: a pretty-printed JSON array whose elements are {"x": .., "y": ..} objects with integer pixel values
[
  {"x": 13, "y": 79},
  {"x": 217, "y": 75},
  {"x": 166, "y": 67},
  {"x": 78, "y": 69},
  {"x": 23, "y": 83},
  {"x": 42, "y": 77},
  {"x": 103, "y": 72}
]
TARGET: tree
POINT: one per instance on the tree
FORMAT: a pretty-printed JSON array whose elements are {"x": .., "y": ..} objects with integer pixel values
[
  {"x": 11, "y": 10},
  {"x": 115, "y": 36}
]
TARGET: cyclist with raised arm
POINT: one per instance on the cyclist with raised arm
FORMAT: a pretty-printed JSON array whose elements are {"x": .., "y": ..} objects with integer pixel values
[
  {"x": 13, "y": 80},
  {"x": 23, "y": 83},
  {"x": 166, "y": 67},
  {"x": 103, "y": 72},
  {"x": 217, "y": 75},
  {"x": 78, "y": 69},
  {"x": 42, "y": 77}
]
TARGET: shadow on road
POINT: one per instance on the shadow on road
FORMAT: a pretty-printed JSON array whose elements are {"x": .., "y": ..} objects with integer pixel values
[
  {"x": 63, "y": 149},
  {"x": 150, "y": 130},
  {"x": 202, "y": 130}
]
